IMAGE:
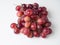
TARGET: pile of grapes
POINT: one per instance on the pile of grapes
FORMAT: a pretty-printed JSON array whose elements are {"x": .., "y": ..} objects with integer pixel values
[{"x": 32, "y": 21}]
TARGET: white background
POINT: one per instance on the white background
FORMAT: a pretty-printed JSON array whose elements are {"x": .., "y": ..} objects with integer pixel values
[{"x": 8, "y": 15}]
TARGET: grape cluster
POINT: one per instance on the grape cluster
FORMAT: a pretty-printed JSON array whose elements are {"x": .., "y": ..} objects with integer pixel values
[{"x": 32, "y": 21}]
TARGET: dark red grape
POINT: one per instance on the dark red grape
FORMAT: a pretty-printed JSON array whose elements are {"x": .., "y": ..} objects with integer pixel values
[
  {"x": 18, "y": 7},
  {"x": 30, "y": 6},
  {"x": 13, "y": 25}
]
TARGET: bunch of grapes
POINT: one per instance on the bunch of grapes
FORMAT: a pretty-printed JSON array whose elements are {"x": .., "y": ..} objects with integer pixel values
[{"x": 32, "y": 21}]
